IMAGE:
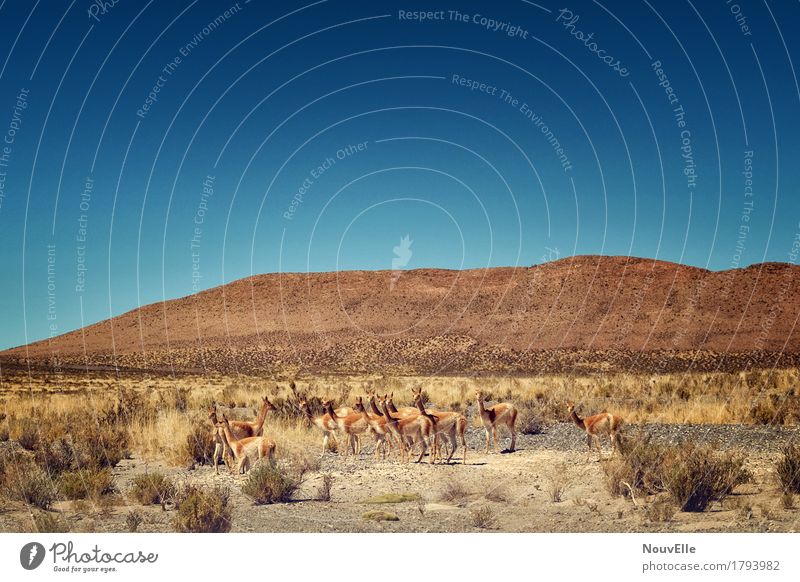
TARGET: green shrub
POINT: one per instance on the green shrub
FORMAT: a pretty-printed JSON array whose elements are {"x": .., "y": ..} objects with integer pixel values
[
  {"x": 152, "y": 489},
  {"x": 380, "y": 516},
  {"x": 203, "y": 511},
  {"x": 267, "y": 484},
  {"x": 85, "y": 483},
  {"x": 788, "y": 468}
]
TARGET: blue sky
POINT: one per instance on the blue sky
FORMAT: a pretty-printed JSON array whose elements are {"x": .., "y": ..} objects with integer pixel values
[{"x": 291, "y": 136}]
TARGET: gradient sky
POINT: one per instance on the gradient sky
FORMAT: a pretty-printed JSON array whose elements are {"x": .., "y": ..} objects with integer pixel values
[{"x": 259, "y": 100}]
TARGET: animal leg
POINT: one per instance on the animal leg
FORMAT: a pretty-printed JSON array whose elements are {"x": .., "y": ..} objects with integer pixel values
[{"x": 487, "y": 440}]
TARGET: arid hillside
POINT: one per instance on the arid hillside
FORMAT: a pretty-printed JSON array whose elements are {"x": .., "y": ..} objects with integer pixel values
[{"x": 582, "y": 312}]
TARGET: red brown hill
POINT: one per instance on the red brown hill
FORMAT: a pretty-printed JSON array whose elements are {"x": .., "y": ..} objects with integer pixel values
[{"x": 591, "y": 312}]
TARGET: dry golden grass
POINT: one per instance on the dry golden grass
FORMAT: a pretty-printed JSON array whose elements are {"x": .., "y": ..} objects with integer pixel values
[{"x": 159, "y": 413}]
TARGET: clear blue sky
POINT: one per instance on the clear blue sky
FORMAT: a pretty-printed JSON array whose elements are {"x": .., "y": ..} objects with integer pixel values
[{"x": 188, "y": 121}]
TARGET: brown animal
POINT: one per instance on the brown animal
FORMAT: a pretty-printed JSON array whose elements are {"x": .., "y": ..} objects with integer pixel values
[
  {"x": 450, "y": 425},
  {"x": 594, "y": 426},
  {"x": 247, "y": 450},
  {"x": 416, "y": 430},
  {"x": 240, "y": 429},
  {"x": 502, "y": 414}
]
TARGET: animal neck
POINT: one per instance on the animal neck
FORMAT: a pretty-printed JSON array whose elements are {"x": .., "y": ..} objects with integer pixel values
[
  {"x": 577, "y": 419},
  {"x": 226, "y": 431},
  {"x": 392, "y": 407},
  {"x": 481, "y": 407},
  {"x": 262, "y": 416},
  {"x": 329, "y": 409},
  {"x": 423, "y": 412},
  {"x": 375, "y": 409}
]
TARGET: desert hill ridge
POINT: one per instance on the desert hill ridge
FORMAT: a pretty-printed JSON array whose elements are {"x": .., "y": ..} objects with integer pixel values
[{"x": 585, "y": 310}]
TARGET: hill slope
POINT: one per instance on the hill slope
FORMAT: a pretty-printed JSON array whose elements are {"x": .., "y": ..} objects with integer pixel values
[{"x": 587, "y": 310}]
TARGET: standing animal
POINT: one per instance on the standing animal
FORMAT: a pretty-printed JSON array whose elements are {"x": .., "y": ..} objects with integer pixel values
[
  {"x": 248, "y": 450},
  {"x": 352, "y": 425},
  {"x": 377, "y": 425},
  {"x": 502, "y": 414},
  {"x": 450, "y": 425},
  {"x": 594, "y": 426},
  {"x": 240, "y": 429},
  {"x": 323, "y": 422},
  {"x": 416, "y": 430}
]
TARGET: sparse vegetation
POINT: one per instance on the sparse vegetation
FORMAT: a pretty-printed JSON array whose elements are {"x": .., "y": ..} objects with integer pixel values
[
  {"x": 530, "y": 419},
  {"x": 203, "y": 510},
  {"x": 482, "y": 517},
  {"x": 693, "y": 474},
  {"x": 661, "y": 509},
  {"x": 324, "y": 489},
  {"x": 153, "y": 489},
  {"x": 267, "y": 484},
  {"x": 32, "y": 486},
  {"x": 788, "y": 469},
  {"x": 85, "y": 483},
  {"x": 133, "y": 519},
  {"x": 556, "y": 487},
  {"x": 453, "y": 491},
  {"x": 377, "y": 515},
  {"x": 50, "y": 522},
  {"x": 393, "y": 498}
]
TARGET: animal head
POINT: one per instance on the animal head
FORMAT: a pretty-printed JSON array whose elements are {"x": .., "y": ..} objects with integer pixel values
[
  {"x": 359, "y": 406},
  {"x": 479, "y": 395},
  {"x": 570, "y": 406},
  {"x": 269, "y": 405}
]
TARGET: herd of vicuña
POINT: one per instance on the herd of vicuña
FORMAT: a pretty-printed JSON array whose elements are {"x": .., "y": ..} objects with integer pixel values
[{"x": 411, "y": 431}]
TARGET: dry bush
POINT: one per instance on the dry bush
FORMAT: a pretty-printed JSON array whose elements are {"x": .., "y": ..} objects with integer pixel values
[
  {"x": 776, "y": 409},
  {"x": 529, "y": 419},
  {"x": 695, "y": 475},
  {"x": 788, "y": 469},
  {"x": 153, "y": 489},
  {"x": 199, "y": 444},
  {"x": 454, "y": 491},
  {"x": 637, "y": 469},
  {"x": 497, "y": 492},
  {"x": 378, "y": 515},
  {"x": 787, "y": 500},
  {"x": 324, "y": 489},
  {"x": 85, "y": 483},
  {"x": 556, "y": 487},
  {"x": 661, "y": 509},
  {"x": 203, "y": 510},
  {"x": 482, "y": 517},
  {"x": 46, "y": 522},
  {"x": 133, "y": 519},
  {"x": 33, "y": 486},
  {"x": 268, "y": 483}
]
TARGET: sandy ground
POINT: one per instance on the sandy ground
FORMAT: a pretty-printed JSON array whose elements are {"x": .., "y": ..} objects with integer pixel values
[{"x": 515, "y": 487}]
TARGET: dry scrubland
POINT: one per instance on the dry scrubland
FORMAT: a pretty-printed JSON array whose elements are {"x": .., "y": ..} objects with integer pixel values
[{"x": 101, "y": 453}]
